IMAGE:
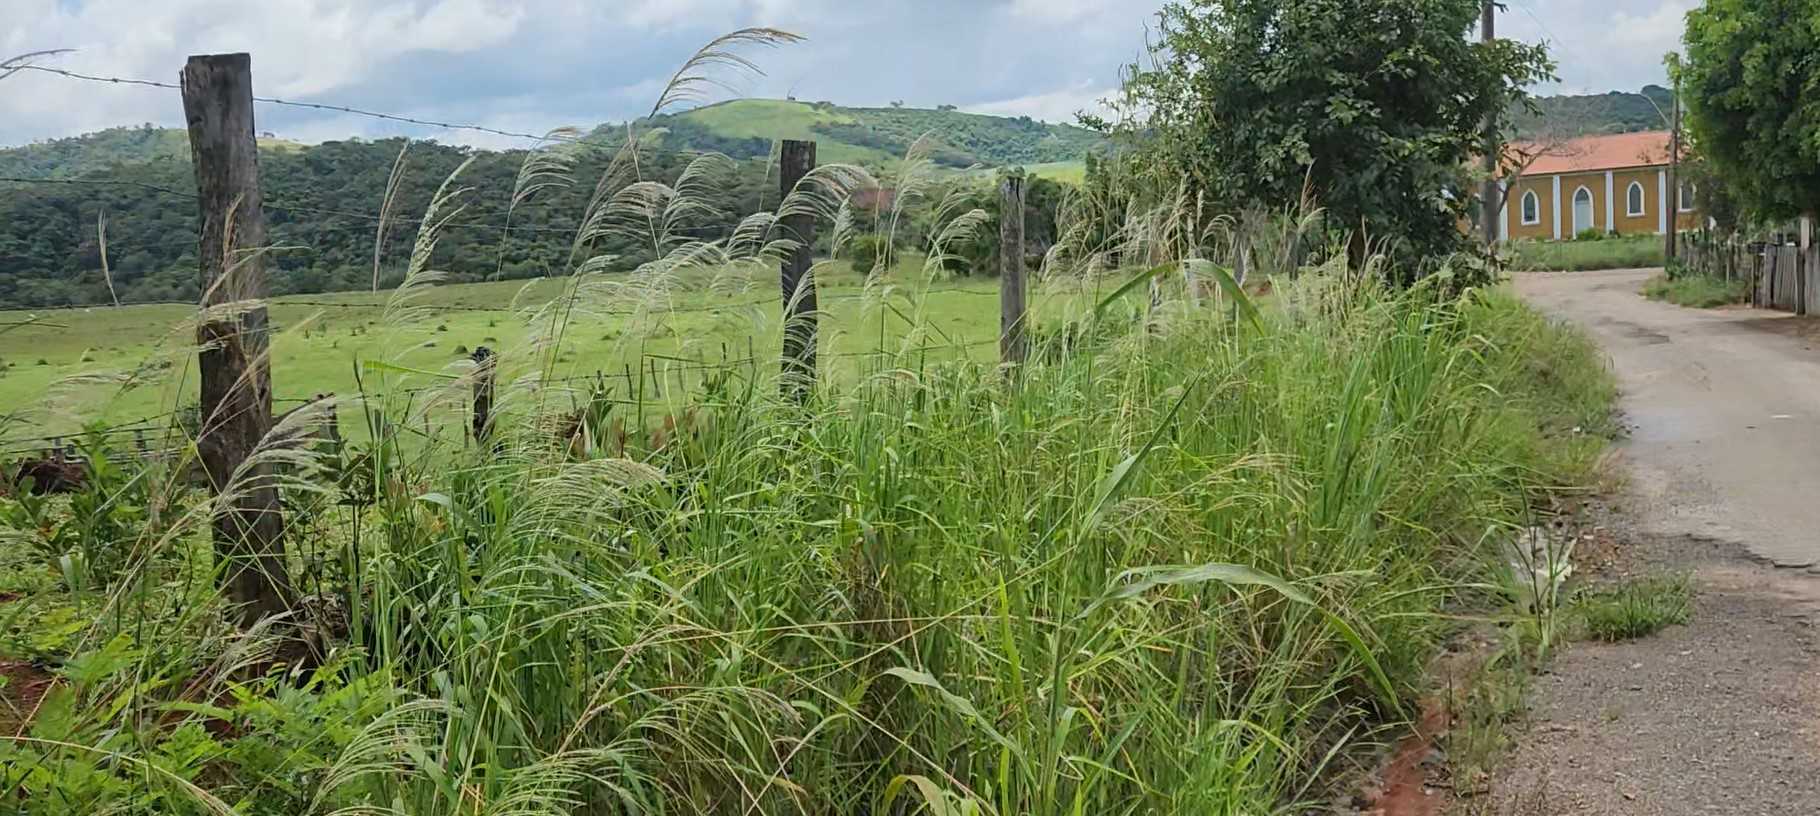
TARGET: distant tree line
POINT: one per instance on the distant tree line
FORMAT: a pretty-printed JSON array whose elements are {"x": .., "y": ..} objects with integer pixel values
[{"x": 321, "y": 207}]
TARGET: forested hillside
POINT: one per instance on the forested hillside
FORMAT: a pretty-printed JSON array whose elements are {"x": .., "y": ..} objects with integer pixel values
[
  {"x": 322, "y": 200},
  {"x": 745, "y": 128},
  {"x": 321, "y": 204},
  {"x": 1614, "y": 112}
]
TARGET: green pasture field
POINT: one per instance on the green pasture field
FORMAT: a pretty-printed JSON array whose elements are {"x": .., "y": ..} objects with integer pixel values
[{"x": 65, "y": 369}]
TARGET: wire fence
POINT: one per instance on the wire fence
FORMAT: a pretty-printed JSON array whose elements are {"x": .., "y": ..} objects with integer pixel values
[
  {"x": 131, "y": 436},
  {"x": 171, "y": 421}
]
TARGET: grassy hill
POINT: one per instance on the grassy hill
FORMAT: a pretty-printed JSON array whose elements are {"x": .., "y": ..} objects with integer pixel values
[
  {"x": 745, "y": 128},
  {"x": 76, "y": 155},
  {"x": 320, "y": 198},
  {"x": 1614, "y": 112}
]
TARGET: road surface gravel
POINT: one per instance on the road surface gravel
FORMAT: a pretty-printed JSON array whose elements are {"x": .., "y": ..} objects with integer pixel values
[{"x": 1722, "y": 468}]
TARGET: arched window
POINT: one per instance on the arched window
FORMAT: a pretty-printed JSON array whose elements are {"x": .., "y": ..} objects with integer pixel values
[
  {"x": 1634, "y": 200},
  {"x": 1532, "y": 208},
  {"x": 1688, "y": 192}
]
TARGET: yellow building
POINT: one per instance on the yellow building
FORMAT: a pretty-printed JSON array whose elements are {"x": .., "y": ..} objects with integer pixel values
[{"x": 1616, "y": 183}]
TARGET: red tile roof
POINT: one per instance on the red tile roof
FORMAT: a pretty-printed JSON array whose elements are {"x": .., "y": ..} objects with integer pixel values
[{"x": 1589, "y": 154}]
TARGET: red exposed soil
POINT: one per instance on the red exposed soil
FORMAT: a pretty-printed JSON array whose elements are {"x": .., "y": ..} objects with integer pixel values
[
  {"x": 25, "y": 686},
  {"x": 1405, "y": 790}
]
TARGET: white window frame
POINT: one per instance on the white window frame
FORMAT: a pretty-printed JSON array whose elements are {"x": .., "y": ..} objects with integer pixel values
[
  {"x": 1685, "y": 197},
  {"x": 1524, "y": 209},
  {"x": 1642, "y": 200}
]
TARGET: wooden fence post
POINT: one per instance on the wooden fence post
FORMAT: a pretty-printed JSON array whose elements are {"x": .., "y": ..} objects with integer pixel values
[
  {"x": 1013, "y": 344},
  {"x": 234, "y": 367},
  {"x": 1803, "y": 267},
  {"x": 795, "y": 160},
  {"x": 484, "y": 370},
  {"x": 1759, "y": 282}
]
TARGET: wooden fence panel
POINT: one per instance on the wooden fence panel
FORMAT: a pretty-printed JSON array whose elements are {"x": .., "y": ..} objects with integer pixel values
[
  {"x": 1810, "y": 289},
  {"x": 1788, "y": 287}
]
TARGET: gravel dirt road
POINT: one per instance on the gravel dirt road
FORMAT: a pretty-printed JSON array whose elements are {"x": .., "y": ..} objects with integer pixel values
[{"x": 1721, "y": 716}]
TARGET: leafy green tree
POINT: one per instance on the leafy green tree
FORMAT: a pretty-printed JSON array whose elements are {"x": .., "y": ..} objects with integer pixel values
[
  {"x": 1378, "y": 106},
  {"x": 1749, "y": 80}
]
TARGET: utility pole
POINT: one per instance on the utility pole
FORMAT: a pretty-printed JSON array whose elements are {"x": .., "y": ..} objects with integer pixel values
[
  {"x": 1674, "y": 174},
  {"x": 1492, "y": 198}
]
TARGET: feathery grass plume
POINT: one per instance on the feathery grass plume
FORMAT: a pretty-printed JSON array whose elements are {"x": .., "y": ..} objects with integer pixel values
[
  {"x": 700, "y": 74},
  {"x": 400, "y": 306},
  {"x": 107, "y": 274},
  {"x": 387, "y": 209}
]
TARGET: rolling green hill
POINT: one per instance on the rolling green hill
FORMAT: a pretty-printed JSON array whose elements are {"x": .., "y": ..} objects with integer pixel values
[
  {"x": 745, "y": 128},
  {"x": 742, "y": 129},
  {"x": 315, "y": 194},
  {"x": 1614, "y": 112},
  {"x": 77, "y": 155},
  {"x": 320, "y": 198}
]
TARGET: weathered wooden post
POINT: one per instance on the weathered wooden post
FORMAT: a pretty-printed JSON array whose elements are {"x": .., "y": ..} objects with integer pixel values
[
  {"x": 235, "y": 376},
  {"x": 1802, "y": 266},
  {"x": 1013, "y": 345},
  {"x": 795, "y": 160},
  {"x": 484, "y": 369}
]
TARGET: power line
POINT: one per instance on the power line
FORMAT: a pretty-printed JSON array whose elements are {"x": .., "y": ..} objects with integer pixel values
[
  {"x": 393, "y": 117},
  {"x": 348, "y": 109}
]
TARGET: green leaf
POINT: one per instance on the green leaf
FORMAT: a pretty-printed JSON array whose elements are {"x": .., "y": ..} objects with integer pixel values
[
  {"x": 1136, "y": 582},
  {"x": 959, "y": 704},
  {"x": 1124, "y": 289},
  {"x": 934, "y": 798},
  {"x": 1114, "y": 481},
  {"x": 1231, "y": 287}
]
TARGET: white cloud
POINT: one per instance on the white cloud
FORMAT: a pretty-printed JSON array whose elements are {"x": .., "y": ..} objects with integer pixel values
[
  {"x": 299, "y": 47},
  {"x": 526, "y": 65},
  {"x": 1059, "y": 105},
  {"x": 1062, "y": 11},
  {"x": 1612, "y": 45}
]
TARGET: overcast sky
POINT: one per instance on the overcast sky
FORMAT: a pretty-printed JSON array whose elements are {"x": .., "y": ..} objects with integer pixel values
[{"x": 536, "y": 64}]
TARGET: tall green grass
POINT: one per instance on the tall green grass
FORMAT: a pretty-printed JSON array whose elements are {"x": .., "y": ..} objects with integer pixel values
[
  {"x": 1178, "y": 564},
  {"x": 1168, "y": 577},
  {"x": 1697, "y": 291},
  {"x": 1612, "y": 252}
]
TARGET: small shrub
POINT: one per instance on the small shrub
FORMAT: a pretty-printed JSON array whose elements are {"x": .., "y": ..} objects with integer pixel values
[
  {"x": 43, "y": 362},
  {"x": 1696, "y": 291},
  {"x": 1637, "y": 608},
  {"x": 1589, "y": 234},
  {"x": 461, "y": 349},
  {"x": 871, "y": 251},
  {"x": 442, "y": 327},
  {"x": 1627, "y": 252}
]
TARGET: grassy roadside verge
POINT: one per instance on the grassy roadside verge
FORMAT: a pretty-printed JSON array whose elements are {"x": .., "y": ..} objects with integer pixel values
[
  {"x": 1623, "y": 252},
  {"x": 1170, "y": 574},
  {"x": 1696, "y": 291}
]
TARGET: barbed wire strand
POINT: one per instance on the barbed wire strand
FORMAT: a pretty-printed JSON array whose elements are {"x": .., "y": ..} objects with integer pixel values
[
  {"x": 15, "y": 446},
  {"x": 349, "y": 109}
]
